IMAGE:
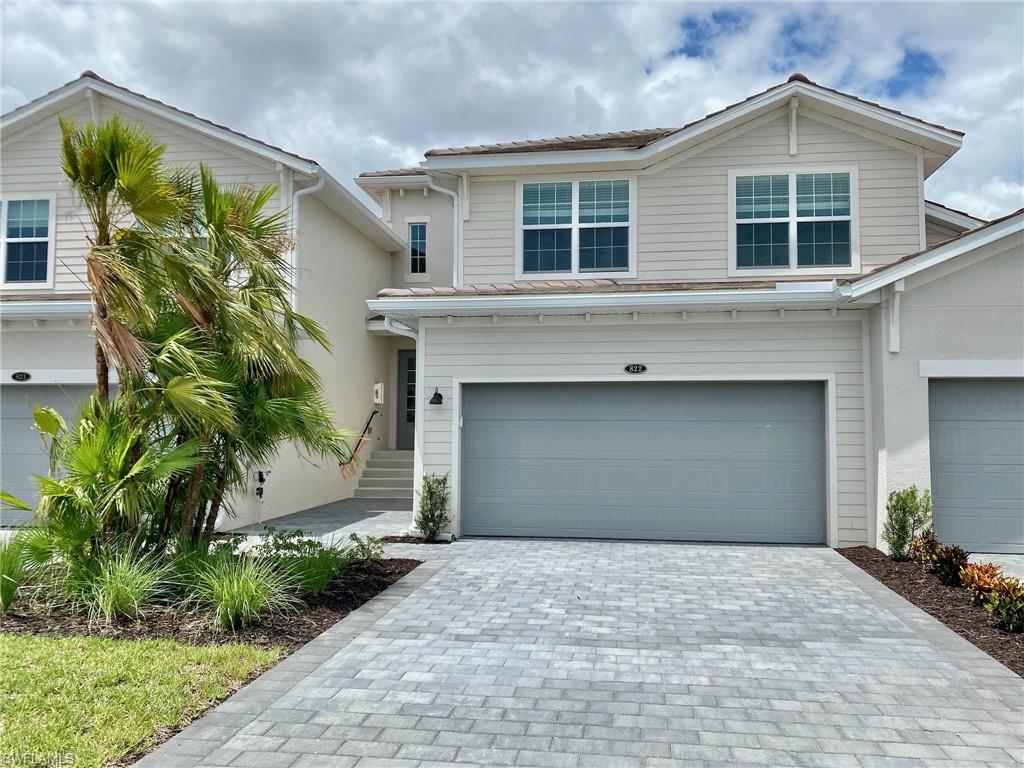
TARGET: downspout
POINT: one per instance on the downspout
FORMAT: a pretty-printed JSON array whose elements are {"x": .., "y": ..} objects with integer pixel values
[
  {"x": 295, "y": 234},
  {"x": 456, "y": 228}
]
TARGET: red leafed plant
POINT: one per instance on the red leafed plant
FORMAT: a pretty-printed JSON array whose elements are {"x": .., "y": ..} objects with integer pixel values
[
  {"x": 1005, "y": 603},
  {"x": 979, "y": 579}
]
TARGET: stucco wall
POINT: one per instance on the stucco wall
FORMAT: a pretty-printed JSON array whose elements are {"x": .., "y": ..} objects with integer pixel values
[
  {"x": 338, "y": 270},
  {"x": 438, "y": 209},
  {"x": 969, "y": 309},
  {"x": 705, "y": 345}
]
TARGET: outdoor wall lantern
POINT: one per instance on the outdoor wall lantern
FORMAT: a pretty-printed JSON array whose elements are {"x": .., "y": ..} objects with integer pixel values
[{"x": 437, "y": 398}]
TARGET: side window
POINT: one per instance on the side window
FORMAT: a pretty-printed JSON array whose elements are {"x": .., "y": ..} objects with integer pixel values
[
  {"x": 417, "y": 248},
  {"x": 26, "y": 239}
]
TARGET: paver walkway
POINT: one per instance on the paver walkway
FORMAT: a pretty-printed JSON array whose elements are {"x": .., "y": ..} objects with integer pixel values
[{"x": 580, "y": 654}]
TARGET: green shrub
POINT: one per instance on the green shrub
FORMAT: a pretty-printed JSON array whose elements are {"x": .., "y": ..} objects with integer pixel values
[
  {"x": 365, "y": 549},
  {"x": 906, "y": 512},
  {"x": 1005, "y": 603},
  {"x": 432, "y": 515},
  {"x": 309, "y": 563},
  {"x": 924, "y": 547},
  {"x": 13, "y": 569},
  {"x": 947, "y": 564},
  {"x": 240, "y": 590},
  {"x": 123, "y": 583}
]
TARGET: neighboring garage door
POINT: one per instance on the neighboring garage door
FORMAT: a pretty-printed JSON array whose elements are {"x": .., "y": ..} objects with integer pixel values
[
  {"x": 685, "y": 461},
  {"x": 21, "y": 447},
  {"x": 977, "y": 454}
]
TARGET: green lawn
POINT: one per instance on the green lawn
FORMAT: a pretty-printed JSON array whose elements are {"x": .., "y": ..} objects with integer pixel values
[{"x": 99, "y": 699}]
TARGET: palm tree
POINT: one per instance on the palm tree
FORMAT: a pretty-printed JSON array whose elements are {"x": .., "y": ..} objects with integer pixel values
[{"x": 116, "y": 171}]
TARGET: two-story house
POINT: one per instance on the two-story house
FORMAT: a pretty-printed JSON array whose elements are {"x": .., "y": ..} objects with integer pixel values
[
  {"x": 341, "y": 257},
  {"x": 750, "y": 328}
]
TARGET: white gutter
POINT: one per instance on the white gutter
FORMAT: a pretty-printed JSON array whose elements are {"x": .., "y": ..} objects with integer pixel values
[
  {"x": 294, "y": 277},
  {"x": 45, "y": 309},
  {"x": 401, "y": 329},
  {"x": 456, "y": 228},
  {"x": 827, "y": 294}
]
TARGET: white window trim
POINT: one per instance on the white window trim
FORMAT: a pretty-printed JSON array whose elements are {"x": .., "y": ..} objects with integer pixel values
[
  {"x": 50, "y": 241},
  {"x": 793, "y": 269},
  {"x": 410, "y": 276},
  {"x": 574, "y": 273}
]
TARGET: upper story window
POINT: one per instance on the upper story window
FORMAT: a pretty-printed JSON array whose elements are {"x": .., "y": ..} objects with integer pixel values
[
  {"x": 417, "y": 248},
  {"x": 803, "y": 222},
  {"x": 576, "y": 228},
  {"x": 26, "y": 241}
]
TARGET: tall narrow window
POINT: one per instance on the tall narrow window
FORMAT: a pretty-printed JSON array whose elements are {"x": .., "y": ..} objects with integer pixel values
[
  {"x": 27, "y": 240},
  {"x": 794, "y": 221},
  {"x": 417, "y": 249},
  {"x": 547, "y": 227}
]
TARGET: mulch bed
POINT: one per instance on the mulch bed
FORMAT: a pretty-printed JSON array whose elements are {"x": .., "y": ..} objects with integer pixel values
[
  {"x": 411, "y": 540},
  {"x": 290, "y": 631},
  {"x": 950, "y": 605}
]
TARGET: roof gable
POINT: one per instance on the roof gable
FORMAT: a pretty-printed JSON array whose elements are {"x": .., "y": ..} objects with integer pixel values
[{"x": 649, "y": 146}]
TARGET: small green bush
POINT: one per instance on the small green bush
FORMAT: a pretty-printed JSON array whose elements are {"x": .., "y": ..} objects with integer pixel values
[
  {"x": 1005, "y": 604},
  {"x": 432, "y": 515},
  {"x": 240, "y": 590},
  {"x": 13, "y": 569},
  {"x": 906, "y": 512},
  {"x": 365, "y": 549},
  {"x": 948, "y": 563},
  {"x": 309, "y": 563},
  {"x": 123, "y": 583}
]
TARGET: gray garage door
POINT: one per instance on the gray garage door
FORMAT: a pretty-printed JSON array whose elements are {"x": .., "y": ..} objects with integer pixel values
[
  {"x": 21, "y": 448},
  {"x": 701, "y": 462},
  {"x": 977, "y": 454}
]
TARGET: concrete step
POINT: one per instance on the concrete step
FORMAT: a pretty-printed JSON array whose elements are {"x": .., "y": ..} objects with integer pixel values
[
  {"x": 391, "y": 455},
  {"x": 390, "y": 464},
  {"x": 398, "y": 474},
  {"x": 385, "y": 482},
  {"x": 383, "y": 493}
]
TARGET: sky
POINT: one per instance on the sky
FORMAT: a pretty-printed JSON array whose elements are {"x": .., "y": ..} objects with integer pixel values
[{"x": 369, "y": 86}]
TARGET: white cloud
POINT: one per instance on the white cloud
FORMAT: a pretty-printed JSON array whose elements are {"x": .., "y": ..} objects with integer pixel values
[{"x": 363, "y": 86}]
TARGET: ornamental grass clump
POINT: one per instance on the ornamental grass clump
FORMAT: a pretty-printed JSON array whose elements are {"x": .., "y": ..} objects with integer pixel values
[
  {"x": 13, "y": 570},
  {"x": 308, "y": 563},
  {"x": 907, "y": 512},
  {"x": 241, "y": 590},
  {"x": 123, "y": 584}
]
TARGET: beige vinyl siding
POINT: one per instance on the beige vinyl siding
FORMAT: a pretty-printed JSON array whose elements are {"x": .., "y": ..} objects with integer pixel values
[
  {"x": 709, "y": 345},
  {"x": 683, "y": 210},
  {"x": 31, "y": 164},
  {"x": 937, "y": 231}
]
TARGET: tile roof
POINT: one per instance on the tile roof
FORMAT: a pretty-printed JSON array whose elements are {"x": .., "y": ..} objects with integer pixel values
[
  {"x": 394, "y": 172},
  {"x": 534, "y": 287},
  {"x": 641, "y": 138},
  {"x": 90, "y": 75}
]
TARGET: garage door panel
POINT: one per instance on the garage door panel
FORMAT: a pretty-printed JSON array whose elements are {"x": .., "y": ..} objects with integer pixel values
[
  {"x": 977, "y": 463},
  {"x": 711, "y": 461}
]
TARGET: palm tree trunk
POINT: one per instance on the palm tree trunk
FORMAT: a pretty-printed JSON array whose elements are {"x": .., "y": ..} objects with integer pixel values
[
  {"x": 102, "y": 365},
  {"x": 188, "y": 512},
  {"x": 211, "y": 517}
]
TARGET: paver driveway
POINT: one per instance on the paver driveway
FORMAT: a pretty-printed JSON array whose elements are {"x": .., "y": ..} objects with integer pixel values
[{"x": 545, "y": 653}]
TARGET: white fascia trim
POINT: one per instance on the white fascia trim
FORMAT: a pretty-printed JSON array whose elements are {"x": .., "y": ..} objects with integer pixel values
[
  {"x": 971, "y": 369},
  {"x": 705, "y": 126},
  {"x": 10, "y": 310},
  {"x": 828, "y": 295},
  {"x": 947, "y": 216},
  {"x": 938, "y": 255},
  {"x": 166, "y": 112},
  {"x": 391, "y": 182}
]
